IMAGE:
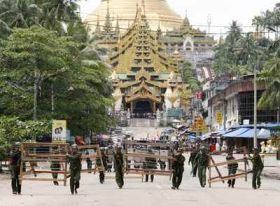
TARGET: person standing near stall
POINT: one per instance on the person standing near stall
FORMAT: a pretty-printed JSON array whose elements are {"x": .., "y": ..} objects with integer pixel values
[{"x": 15, "y": 161}]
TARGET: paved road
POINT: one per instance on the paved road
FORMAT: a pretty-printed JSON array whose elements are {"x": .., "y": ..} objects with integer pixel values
[
  {"x": 136, "y": 193},
  {"x": 141, "y": 194}
]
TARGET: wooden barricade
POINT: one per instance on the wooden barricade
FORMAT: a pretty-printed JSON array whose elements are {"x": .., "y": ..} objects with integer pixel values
[
  {"x": 92, "y": 153},
  {"x": 220, "y": 177},
  {"x": 136, "y": 154},
  {"x": 36, "y": 158}
]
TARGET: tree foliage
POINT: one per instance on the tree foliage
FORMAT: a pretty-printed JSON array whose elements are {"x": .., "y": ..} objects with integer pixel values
[
  {"x": 46, "y": 63},
  {"x": 190, "y": 77}
]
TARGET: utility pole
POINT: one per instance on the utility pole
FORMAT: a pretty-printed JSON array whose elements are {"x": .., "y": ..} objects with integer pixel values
[
  {"x": 52, "y": 98},
  {"x": 35, "y": 96},
  {"x": 255, "y": 105}
]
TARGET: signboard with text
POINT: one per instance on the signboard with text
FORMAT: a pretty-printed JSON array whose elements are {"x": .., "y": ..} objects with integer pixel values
[
  {"x": 219, "y": 118},
  {"x": 59, "y": 131}
]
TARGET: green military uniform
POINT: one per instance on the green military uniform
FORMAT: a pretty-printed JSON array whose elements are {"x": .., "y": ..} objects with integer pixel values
[
  {"x": 150, "y": 164},
  {"x": 75, "y": 170},
  {"x": 202, "y": 160},
  {"x": 15, "y": 161},
  {"x": 118, "y": 165},
  {"x": 232, "y": 169},
  {"x": 257, "y": 170},
  {"x": 104, "y": 161},
  {"x": 55, "y": 166},
  {"x": 192, "y": 161},
  {"x": 178, "y": 170}
]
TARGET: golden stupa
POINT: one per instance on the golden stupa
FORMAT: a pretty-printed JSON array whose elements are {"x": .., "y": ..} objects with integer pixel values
[{"x": 122, "y": 12}]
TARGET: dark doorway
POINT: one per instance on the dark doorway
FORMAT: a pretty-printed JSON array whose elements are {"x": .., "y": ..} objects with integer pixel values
[{"x": 142, "y": 109}]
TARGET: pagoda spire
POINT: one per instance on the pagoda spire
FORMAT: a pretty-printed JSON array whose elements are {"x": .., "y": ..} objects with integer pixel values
[
  {"x": 108, "y": 23},
  {"x": 186, "y": 21},
  {"x": 159, "y": 32},
  {"x": 117, "y": 30},
  {"x": 143, "y": 7},
  {"x": 97, "y": 28}
]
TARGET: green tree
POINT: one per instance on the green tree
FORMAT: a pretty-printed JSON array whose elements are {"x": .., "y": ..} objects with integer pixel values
[
  {"x": 270, "y": 78},
  {"x": 190, "y": 77},
  {"x": 32, "y": 56},
  {"x": 226, "y": 57},
  {"x": 50, "y": 72}
]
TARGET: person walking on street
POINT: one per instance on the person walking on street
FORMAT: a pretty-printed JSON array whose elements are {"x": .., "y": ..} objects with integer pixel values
[
  {"x": 257, "y": 169},
  {"x": 192, "y": 161},
  {"x": 55, "y": 166},
  {"x": 149, "y": 165},
  {"x": 119, "y": 166},
  {"x": 202, "y": 159},
  {"x": 178, "y": 169},
  {"x": 15, "y": 162},
  {"x": 105, "y": 166},
  {"x": 232, "y": 169},
  {"x": 75, "y": 168}
]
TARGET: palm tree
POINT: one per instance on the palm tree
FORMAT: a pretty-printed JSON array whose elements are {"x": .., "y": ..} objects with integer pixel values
[
  {"x": 19, "y": 13},
  {"x": 270, "y": 77},
  {"x": 57, "y": 14}
]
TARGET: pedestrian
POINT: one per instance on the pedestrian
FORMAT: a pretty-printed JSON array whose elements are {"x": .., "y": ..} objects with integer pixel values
[
  {"x": 257, "y": 169},
  {"x": 192, "y": 161},
  {"x": 150, "y": 164},
  {"x": 178, "y": 169},
  {"x": 162, "y": 165},
  {"x": 55, "y": 166},
  {"x": 202, "y": 160},
  {"x": 89, "y": 162},
  {"x": 15, "y": 162},
  {"x": 119, "y": 167},
  {"x": 104, "y": 161},
  {"x": 75, "y": 168},
  {"x": 232, "y": 169}
]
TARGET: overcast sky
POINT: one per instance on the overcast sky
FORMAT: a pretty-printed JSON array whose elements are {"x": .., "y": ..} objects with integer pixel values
[{"x": 222, "y": 12}]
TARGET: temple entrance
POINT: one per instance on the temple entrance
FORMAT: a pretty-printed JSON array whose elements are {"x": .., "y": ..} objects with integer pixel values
[{"x": 142, "y": 109}]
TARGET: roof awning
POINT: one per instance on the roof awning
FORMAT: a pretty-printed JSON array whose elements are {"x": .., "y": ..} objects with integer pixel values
[
  {"x": 248, "y": 133},
  {"x": 236, "y": 133}
]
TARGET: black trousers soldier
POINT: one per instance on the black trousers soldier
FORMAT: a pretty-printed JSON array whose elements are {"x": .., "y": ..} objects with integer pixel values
[
  {"x": 202, "y": 159},
  {"x": 104, "y": 161},
  {"x": 257, "y": 169},
  {"x": 150, "y": 164},
  {"x": 55, "y": 166},
  {"x": 178, "y": 169},
  {"x": 232, "y": 169},
  {"x": 75, "y": 169},
  {"x": 193, "y": 162},
  {"x": 15, "y": 168},
  {"x": 118, "y": 165}
]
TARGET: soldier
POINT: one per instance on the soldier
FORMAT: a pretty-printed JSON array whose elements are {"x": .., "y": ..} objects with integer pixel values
[
  {"x": 89, "y": 162},
  {"x": 150, "y": 164},
  {"x": 75, "y": 168},
  {"x": 15, "y": 162},
  {"x": 55, "y": 166},
  {"x": 118, "y": 166},
  {"x": 257, "y": 169},
  {"x": 191, "y": 160},
  {"x": 178, "y": 169},
  {"x": 202, "y": 159},
  {"x": 232, "y": 169},
  {"x": 104, "y": 161}
]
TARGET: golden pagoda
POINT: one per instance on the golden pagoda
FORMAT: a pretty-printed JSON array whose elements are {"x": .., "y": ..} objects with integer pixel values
[
  {"x": 144, "y": 77},
  {"x": 156, "y": 11}
]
